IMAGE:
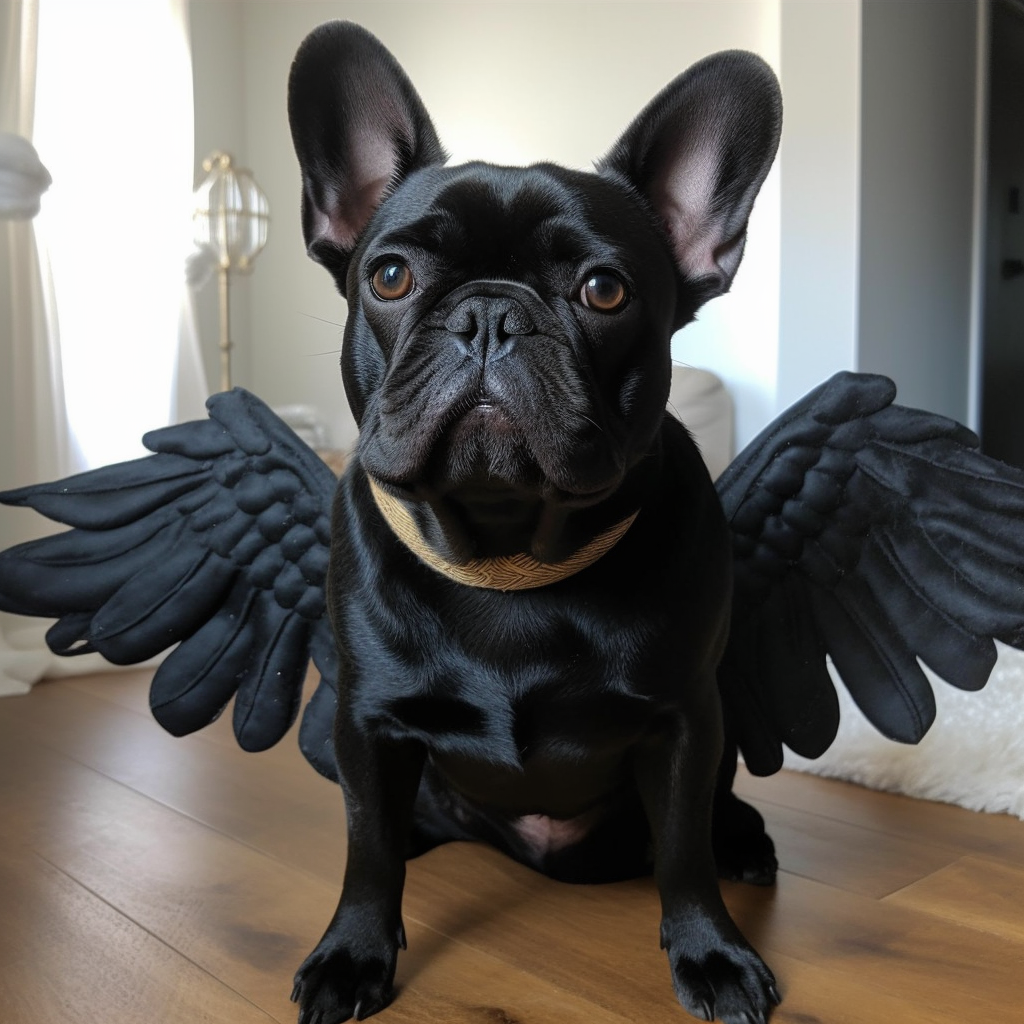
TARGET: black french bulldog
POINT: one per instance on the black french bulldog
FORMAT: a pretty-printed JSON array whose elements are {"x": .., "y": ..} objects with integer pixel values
[{"x": 530, "y": 578}]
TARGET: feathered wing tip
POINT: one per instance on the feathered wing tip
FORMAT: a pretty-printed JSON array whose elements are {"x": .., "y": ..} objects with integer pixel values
[
  {"x": 876, "y": 535},
  {"x": 316, "y": 733},
  {"x": 217, "y": 543}
]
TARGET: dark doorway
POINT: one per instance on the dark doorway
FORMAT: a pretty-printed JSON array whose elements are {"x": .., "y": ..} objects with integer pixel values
[{"x": 1002, "y": 378}]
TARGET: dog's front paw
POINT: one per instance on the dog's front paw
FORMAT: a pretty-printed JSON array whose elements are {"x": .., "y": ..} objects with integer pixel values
[
  {"x": 346, "y": 976},
  {"x": 716, "y": 973}
]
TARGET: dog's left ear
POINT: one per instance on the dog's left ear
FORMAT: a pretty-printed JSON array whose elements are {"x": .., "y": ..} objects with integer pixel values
[
  {"x": 699, "y": 152},
  {"x": 359, "y": 127}
]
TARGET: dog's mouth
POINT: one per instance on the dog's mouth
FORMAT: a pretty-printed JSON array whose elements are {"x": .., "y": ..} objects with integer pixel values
[
  {"x": 509, "y": 429},
  {"x": 487, "y": 491},
  {"x": 483, "y": 453},
  {"x": 484, "y": 413}
]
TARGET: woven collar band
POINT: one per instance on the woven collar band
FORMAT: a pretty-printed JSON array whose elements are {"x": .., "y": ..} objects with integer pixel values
[{"x": 510, "y": 572}]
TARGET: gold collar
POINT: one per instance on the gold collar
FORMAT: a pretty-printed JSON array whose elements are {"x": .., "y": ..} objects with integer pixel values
[{"x": 510, "y": 572}]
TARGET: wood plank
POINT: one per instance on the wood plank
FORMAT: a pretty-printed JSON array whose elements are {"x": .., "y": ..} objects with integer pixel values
[
  {"x": 900, "y": 950},
  {"x": 938, "y": 966},
  {"x": 816, "y": 995},
  {"x": 217, "y": 784},
  {"x": 67, "y": 955},
  {"x": 999, "y": 836},
  {"x": 241, "y": 916},
  {"x": 542, "y": 951},
  {"x": 128, "y": 688},
  {"x": 847, "y": 856},
  {"x": 975, "y": 891}
]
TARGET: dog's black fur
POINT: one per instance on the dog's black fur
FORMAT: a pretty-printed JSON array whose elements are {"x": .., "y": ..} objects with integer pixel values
[{"x": 507, "y": 359}]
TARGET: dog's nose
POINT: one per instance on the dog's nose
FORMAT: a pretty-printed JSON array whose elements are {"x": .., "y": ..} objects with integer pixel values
[{"x": 487, "y": 326}]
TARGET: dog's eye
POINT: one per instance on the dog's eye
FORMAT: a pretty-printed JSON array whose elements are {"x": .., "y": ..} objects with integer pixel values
[
  {"x": 392, "y": 281},
  {"x": 604, "y": 292}
]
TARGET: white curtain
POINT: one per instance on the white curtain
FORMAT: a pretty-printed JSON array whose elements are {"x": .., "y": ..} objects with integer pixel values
[
  {"x": 104, "y": 91},
  {"x": 33, "y": 427}
]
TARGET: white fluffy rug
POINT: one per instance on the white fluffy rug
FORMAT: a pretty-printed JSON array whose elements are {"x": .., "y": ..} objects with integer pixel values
[{"x": 973, "y": 755}]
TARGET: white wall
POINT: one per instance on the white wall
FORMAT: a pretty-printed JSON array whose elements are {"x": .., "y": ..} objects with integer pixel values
[
  {"x": 878, "y": 192},
  {"x": 218, "y": 61},
  {"x": 917, "y": 198},
  {"x": 512, "y": 82},
  {"x": 819, "y": 164}
]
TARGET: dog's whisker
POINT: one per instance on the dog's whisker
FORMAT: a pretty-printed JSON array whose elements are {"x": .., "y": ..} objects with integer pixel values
[{"x": 330, "y": 323}]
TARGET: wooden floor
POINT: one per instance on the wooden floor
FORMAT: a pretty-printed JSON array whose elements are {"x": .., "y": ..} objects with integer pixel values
[{"x": 149, "y": 880}]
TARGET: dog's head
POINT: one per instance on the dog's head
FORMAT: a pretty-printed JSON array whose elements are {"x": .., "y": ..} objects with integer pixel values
[{"x": 506, "y": 352}]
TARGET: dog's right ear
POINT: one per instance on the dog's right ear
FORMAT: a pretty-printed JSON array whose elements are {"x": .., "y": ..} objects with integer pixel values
[{"x": 359, "y": 128}]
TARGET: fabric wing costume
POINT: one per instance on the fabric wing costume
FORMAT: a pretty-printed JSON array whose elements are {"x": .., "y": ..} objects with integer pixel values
[{"x": 864, "y": 532}]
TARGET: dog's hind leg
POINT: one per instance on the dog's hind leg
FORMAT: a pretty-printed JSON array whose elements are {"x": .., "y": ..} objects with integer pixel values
[
  {"x": 437, "y": 816},
  {"x": 744, "y": 852},
  {"x": 608, "y": 843}
]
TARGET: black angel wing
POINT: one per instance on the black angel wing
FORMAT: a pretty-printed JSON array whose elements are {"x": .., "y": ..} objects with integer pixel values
[
  {"x": 876, "y": 535},
  {"x": 217, "y": 543}
]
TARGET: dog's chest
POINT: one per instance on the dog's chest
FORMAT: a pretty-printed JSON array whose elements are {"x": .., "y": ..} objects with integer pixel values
[
  {"x": 542, "y": 738},
  {"x": 505, "y": 692}
]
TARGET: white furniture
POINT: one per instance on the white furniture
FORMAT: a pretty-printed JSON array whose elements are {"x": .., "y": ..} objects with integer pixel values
[{"x": 700, "y": 400}]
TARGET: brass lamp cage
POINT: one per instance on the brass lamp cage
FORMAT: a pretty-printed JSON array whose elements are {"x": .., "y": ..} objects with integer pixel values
[{"x": 230, "y": 222}]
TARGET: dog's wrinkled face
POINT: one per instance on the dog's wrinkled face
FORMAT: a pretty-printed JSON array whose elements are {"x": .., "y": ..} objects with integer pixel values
[
  {"x": 518, "y": 322},
  {"x": 507, "y": 345}
]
